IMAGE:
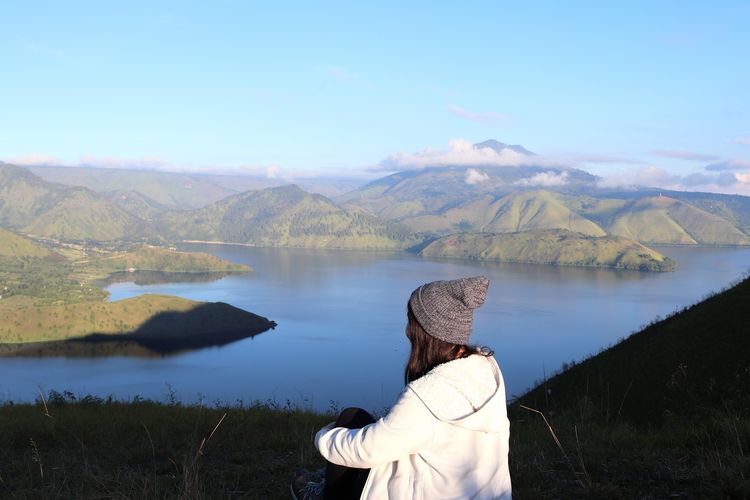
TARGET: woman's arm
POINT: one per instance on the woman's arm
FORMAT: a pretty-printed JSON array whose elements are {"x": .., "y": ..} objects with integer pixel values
[{"x": 407, "y": 429}]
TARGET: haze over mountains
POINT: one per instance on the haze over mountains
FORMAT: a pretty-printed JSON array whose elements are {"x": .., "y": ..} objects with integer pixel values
[{"x": 396, "y": 211}]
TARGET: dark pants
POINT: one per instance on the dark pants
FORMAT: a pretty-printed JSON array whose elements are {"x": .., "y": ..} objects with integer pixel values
[{"x": 347, "y": 482}]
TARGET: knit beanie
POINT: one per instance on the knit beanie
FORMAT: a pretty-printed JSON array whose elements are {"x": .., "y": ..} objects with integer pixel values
[{"x": 445, "y": 309}]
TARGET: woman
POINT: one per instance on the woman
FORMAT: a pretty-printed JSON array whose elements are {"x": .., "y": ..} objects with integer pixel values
[{"x": 446, "y": 436}]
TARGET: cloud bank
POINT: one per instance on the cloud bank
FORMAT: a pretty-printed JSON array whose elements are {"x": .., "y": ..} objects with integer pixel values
[
  {"x": 740, "y": 140},
  {"x": 473, "y": 176},
  {"x": 726, "y": 182},
  {"x": 459, "y": 153},
  {"x": 544, "y": 179},
  {"x": 684, "y": 155}
]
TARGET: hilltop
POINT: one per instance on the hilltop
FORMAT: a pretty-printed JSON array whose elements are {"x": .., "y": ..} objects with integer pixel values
[{"x": 555, "y": 247}]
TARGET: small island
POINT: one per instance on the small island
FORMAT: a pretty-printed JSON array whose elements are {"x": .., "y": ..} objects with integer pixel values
[
  {"x": 158, "y": 323},
  {"x": 553, "y": 247}
]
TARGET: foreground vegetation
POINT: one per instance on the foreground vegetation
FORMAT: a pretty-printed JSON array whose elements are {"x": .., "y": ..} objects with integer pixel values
[
  {"x": 140, "y": 449},
  {"x": 664, "y": 414}
]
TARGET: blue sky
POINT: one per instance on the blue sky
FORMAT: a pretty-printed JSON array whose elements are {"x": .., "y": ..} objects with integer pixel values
[{"x": 651, "y": 91}]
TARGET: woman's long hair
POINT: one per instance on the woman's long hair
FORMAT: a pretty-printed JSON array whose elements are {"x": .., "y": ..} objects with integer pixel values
[{"x": 427, "y": 351}]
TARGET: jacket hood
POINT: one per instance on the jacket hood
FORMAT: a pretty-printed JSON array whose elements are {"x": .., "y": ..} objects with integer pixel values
[{"x": 466, "y": 392}]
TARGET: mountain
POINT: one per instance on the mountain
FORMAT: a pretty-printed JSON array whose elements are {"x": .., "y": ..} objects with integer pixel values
[
  {"x": 518, "y": 211},
  {"x": 499, "y": 147},
  {"x": 31, "y": 205},
  {"x": 136, "y": 203},
  {"x": 174, "y": 190},
  {"x": 662, "y": 219},
  {"x": 438, "y": 201},
  {"x": 168, "y": 189},
  {"x": 556, "y": 247},
  {"x": 285, "y": 216},
  {"x": 430, "y": 190}
]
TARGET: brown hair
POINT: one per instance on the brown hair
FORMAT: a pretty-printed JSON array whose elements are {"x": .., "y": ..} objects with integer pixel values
[{"x": 427, "y": 351}]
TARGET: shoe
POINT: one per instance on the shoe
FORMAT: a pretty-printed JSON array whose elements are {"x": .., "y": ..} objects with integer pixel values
[{"x": 308, "y": 485}]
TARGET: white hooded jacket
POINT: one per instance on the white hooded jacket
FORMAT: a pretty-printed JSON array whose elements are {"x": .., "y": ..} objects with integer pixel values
[{"x": 446, "y": 437}]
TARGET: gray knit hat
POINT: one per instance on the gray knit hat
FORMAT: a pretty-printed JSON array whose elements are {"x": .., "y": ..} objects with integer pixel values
[{"x": 445, "y": 309}]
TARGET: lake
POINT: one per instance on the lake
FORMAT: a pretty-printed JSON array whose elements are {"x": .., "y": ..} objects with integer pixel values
[{"x": 341, "y": 315}]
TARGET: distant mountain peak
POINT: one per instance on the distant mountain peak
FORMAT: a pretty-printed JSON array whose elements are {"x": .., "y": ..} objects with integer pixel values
[{"x": 498, "y": 147}]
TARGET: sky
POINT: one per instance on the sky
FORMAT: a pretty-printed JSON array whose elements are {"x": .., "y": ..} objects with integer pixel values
[{"x": 654, "y": 93}]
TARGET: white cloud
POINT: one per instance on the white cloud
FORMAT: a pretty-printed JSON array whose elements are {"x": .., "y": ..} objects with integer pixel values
[
  {"x": 727, "y": 165},
  {"x": 740, "y": 140},
  {"x": 143, "y": 163},
  {"x": 34, "y": 159},
  {"x": 720, "y": 182},
  {"x": 684, "y": 155},
  {"x": 272, "y": 171},
  {"x": 474, "y": 176},
  {"x": 546, "y": 179},
  {"x": 649, "y": 176},
  {"x": 485, "y": 117},
  {"x": 460, "y": 153}
]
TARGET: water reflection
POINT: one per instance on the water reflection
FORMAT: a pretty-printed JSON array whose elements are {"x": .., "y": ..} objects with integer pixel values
[{"x": 159, "y": 277}]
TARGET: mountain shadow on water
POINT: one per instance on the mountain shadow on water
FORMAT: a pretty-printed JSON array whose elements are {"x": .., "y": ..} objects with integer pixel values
[{"x": 167, "y": 333}]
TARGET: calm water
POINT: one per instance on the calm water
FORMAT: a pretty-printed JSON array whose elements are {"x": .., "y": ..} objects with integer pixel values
[{"x": 341, "y": 317}]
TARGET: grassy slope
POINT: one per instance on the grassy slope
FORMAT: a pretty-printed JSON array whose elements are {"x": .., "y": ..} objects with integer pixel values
[
  {"x": 519, "y": 211},
  {"x": 147, "y": 451},
  {"x": 31, "y": 205},
  {"x": 666, "y": 220},
  {"x": 12, "y": 245},
  {"x": 150, "y": 258},
  {"x": 666, "y": 412},
  {"x": 687, "y": 363},
  {"x": 286, "y": 216},
  {"x": 36, "y": 324},
  {"x": 557, "y": 247}
]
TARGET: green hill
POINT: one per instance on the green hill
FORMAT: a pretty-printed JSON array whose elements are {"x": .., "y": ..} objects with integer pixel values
[
  {"x": 12, "y": 245},
  {"x": 30, "y": 205},
  {"x": 663, "y": 219},
  {"x": 167, "y": 189},
  {"x": 691, "y": 363},
  {"x": 136, "y": 203},
  {"x": 519, "y": 211},
  {"x": 150, "y": 258},
  {"x": 285, "y": 216},
  {"x": 556, "y": 247},
  {"x": 445, "y": 200},
  {"x": 430, "y": 191},
  {"x": 664, "y": 413}
]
